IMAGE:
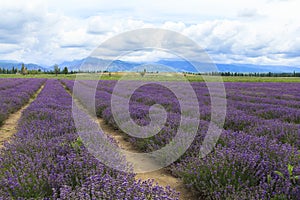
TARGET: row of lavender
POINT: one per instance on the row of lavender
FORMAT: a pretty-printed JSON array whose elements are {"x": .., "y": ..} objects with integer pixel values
[
  {"x": 9, "y": 83},
  {"x": 15, "y": 93},
  {"x": 257, "y": 117},
  {"x": 46, "y": 159},
  {"x": 270, "y": 110},
  {"x": 254, "y": 158}
]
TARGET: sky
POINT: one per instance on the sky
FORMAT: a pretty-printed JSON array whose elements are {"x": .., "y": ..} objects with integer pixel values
[{"x": 232, "y": 31}]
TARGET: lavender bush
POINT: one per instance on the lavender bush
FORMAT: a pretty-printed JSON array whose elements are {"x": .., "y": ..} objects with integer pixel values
[
  {"x": 261, "y": 138},
  {"x": 15, "y": 93},
  {"x": 47, "y": 160}
]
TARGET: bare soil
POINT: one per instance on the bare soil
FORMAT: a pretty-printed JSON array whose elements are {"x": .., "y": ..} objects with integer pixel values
[
  {"x": 161, "y": 176},
  {"x": 9, "y": 127}
]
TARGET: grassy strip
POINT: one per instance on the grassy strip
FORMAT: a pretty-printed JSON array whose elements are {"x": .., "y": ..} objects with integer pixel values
[{"x": 153, "y": 77}]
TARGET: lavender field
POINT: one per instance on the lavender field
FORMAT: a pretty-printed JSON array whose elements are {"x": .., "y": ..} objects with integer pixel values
[
  {"x": 15, "y": 93},
  {"x": 256, "y": 157}
]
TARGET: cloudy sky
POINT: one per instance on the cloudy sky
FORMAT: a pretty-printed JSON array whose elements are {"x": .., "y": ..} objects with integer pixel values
[{"x": 232, "y": 31}]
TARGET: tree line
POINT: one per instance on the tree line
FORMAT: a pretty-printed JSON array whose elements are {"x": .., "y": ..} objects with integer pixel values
[
  {"x": 57, "y": 70},
  {"x": 254, "y": 74},
  {"x": 24, "y": 71}
]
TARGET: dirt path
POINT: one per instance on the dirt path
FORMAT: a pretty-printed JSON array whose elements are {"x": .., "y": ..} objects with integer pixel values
[
  {"x": 9, "y": 126},
  {"x": 162, "y": 176}
]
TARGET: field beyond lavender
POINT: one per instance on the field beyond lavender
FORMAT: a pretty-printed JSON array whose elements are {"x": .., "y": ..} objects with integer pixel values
[{"x": 256, "y": 157}]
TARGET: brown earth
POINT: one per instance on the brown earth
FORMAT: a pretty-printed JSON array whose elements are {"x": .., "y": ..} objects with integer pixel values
[{"x": 161, "y": 176}]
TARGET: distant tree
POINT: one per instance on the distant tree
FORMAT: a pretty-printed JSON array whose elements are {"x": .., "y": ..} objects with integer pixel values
[
  {"x": 269, "y": 74},
  {"x": 33, "y": 71},
  {"x": 65, "y": 70},
  {"x": 143, "y": 73},
  {"x": 23, "y": 69},
  {"x": 56, "y": 69}
]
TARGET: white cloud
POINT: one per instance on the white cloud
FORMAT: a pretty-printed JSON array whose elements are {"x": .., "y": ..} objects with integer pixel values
[
  {"x": 47, "y": 32},
  {"x": 148, "y": 56}
]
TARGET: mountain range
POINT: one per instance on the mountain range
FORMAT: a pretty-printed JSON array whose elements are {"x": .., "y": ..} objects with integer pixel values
[
  {"x": 9, "y": 64},
  {"x": 91, "y": 64}
]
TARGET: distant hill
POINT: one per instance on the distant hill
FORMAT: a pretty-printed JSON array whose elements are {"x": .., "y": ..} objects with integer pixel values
[
  {"x": 242, "y": 68},
  {"x": 92, "y": 64},
  {"x": 9, "y": 64},
  {"x": 183, "y": 66}
]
